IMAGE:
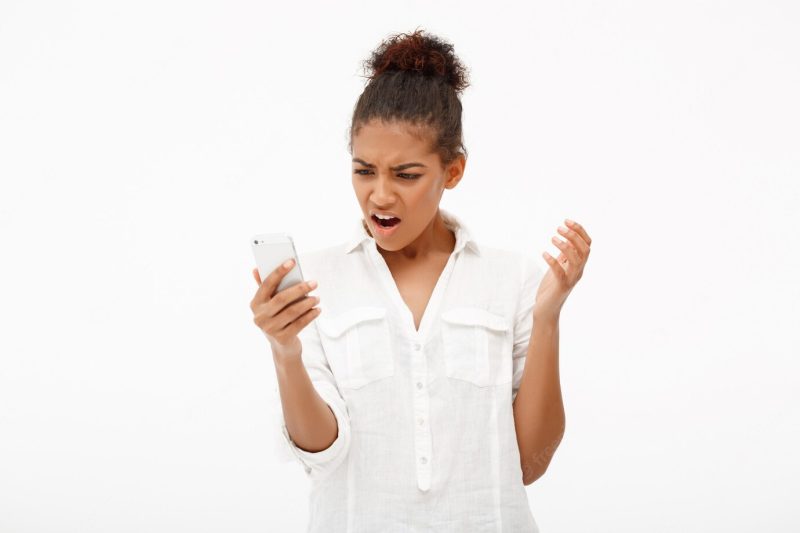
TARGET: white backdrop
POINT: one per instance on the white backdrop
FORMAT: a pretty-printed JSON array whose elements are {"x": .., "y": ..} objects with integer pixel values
[{"x": 142, "y": 144}]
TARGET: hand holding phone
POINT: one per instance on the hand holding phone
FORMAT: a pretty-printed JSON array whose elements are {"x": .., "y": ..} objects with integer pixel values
[{"x": 281, "y": 307}]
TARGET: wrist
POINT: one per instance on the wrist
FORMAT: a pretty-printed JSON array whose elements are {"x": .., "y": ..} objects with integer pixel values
[
  {"x": 287, "y": 364},
  {"x": 282, "y": 354},
  {"x": 548, "y": 317}
]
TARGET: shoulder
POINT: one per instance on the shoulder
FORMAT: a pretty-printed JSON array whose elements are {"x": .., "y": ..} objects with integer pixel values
[
  {"x": 525, "y": 267},
  {"x": 329, "y": 260},
  {"x": 523, "y": 270},
  {"x": 320, "y": 256}
]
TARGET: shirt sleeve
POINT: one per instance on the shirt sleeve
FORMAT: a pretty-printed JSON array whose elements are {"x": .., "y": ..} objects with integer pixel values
[
  {"x": 531, "y": 275},
  {"x": 316, "y": 464}
]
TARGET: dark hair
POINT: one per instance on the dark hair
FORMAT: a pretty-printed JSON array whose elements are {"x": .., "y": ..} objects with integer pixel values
[{"x": 415, "y": 78}]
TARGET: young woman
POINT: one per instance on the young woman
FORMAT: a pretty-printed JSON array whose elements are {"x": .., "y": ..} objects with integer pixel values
[{"x": 423, "y": 398}]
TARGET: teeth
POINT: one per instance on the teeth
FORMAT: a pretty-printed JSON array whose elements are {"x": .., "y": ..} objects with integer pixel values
[{"x": 384, "y": 217}]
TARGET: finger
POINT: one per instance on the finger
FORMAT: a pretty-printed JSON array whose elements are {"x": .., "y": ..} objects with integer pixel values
[
  {"x": 557, "y": 269},
  {"x": 290, "y": 313},
  {"x": 576, "y": 240},
  {"x": 256, "y": 276},
  {"x": 267, "y": 319},
  {"x": 289, "y": 296},
  {"x": 580, "y": 230},
  {"x": 567, "y": 249},
  {"x": 301, "y": 322},
  {"x": 270, "y": 283}
]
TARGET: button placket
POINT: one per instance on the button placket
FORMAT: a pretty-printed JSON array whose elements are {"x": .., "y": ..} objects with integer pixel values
[{"x": 422, "y": 436}]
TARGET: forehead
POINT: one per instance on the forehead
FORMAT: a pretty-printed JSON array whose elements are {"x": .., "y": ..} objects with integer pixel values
[{"x": 390, "y": 140}]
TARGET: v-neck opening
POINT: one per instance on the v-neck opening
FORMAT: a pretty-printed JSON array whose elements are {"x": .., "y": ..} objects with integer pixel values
[{"x": 391, "y": 287}]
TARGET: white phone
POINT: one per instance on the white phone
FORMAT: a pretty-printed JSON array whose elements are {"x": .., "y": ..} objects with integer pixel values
[{"x": 272, "y": 250}]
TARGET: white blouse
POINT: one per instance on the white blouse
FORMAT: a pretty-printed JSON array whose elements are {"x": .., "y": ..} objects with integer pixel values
[{"x": 426, "y": 438}]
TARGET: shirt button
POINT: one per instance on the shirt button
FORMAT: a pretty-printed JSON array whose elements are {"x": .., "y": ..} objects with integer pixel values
[
  {"x": 419, "y": 384},
  {"x": 423, "y": 460},
  {"x": 417, "y": 346}
]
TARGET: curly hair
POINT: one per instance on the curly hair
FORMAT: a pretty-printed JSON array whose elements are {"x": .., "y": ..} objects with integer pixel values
[{"x": 415, "y": 78}]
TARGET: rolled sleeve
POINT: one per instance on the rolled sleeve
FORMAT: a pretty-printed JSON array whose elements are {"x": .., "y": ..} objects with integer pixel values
[
  {"x": 531, "y": 275},
  {"x": 318, "y": 464}
]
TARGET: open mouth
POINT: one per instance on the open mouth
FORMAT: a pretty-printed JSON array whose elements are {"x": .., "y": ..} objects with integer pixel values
[{"x": 386, "y": 223}]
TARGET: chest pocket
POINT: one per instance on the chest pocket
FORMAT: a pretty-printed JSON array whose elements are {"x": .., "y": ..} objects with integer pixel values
[
  {"x": 477, "y": 346},
  {"x": 358, "y": 345}
]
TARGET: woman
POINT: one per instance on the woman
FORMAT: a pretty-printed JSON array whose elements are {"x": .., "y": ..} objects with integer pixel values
[{"x": 423, "y": 399}]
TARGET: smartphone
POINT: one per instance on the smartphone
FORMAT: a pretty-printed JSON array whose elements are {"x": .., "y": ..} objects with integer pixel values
[{"x": 272, "y": 250}]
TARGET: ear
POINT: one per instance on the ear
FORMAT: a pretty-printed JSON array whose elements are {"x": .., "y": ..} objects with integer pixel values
[{"x": 454, "y": 171}]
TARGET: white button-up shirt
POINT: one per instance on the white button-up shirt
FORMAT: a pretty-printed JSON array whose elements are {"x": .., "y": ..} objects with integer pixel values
[{"x": 426, "y": 438}]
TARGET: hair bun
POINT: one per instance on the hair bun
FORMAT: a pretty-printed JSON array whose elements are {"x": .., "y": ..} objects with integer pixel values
[{"x": 418, "y": 52}]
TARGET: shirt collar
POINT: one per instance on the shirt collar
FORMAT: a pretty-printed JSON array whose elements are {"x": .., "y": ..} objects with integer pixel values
[{"x": 464, "y": 237}]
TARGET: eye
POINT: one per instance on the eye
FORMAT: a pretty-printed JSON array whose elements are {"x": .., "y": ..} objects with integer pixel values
[{"x": 405, "y": 176}]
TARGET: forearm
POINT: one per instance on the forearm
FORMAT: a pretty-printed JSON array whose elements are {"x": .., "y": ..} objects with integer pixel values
[
  {"x": 309, "y": 420},
  {"x": 539, "y": 417}
]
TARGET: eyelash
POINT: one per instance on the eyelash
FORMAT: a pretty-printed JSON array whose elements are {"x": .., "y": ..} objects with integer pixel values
[{"x": 412, "y": 176}]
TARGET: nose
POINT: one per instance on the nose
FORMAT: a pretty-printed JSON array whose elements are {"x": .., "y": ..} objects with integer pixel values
[{"x": 382, "y": 193}]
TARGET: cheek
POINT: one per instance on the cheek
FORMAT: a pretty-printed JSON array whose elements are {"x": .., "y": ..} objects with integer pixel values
[
  {"x": 431, "y": 194},
  {"x": 358, "y": 189},
  {"x": 420, "y": 197}
]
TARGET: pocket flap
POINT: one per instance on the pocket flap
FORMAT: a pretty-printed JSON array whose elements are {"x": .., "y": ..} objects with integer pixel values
[
  {"x": 336, "y": 325},
  {"x": 475, "y": 316}
]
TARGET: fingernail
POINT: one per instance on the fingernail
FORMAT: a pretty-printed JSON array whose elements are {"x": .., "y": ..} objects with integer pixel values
[
  {"x": 288, "y": 263},
  {"x": 312, "y": 284},
  {"x": 569, "y": 221}
]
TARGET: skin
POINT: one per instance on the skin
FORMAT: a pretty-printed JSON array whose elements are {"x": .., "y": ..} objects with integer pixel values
[{"x": 416, "y": 254}]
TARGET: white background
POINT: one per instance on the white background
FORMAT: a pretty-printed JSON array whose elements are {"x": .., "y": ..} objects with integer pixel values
[{"x": 142, "y": 144}]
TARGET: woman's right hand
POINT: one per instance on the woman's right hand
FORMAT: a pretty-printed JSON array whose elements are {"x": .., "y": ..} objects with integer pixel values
[{"x": 278, "y": 315}]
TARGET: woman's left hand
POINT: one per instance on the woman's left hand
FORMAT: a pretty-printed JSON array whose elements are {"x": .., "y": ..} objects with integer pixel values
[{"x": 565, "y": 270}]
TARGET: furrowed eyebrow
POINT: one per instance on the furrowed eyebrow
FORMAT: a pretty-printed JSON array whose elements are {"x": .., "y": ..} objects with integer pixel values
[{"x": 398, "y": 167}]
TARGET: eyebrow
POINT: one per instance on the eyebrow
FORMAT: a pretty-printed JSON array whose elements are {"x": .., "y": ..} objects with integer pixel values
[{"x": 398, "y": 167}]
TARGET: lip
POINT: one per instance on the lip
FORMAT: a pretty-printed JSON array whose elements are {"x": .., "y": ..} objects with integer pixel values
[
  {"x": 377, "y": 229},
  {"x": 383, "y": 213}
]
